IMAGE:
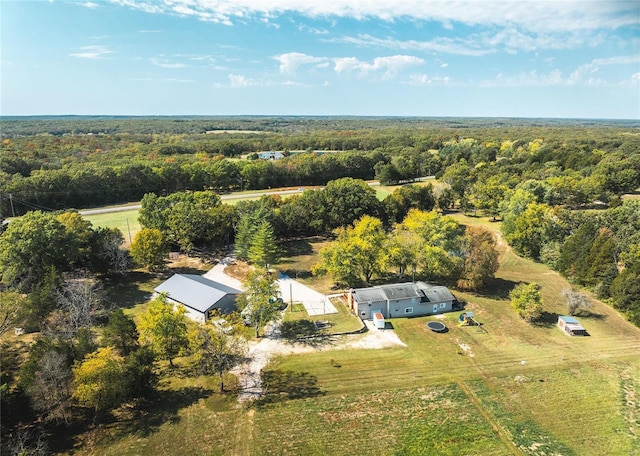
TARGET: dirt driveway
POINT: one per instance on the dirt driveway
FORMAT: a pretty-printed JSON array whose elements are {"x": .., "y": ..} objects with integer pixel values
[{"x": 271, "y": 344}]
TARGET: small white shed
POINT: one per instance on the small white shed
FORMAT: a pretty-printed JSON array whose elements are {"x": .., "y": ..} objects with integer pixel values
[
  {"x": 571, "y": 326},
  {"x": 378, "y": 319}
]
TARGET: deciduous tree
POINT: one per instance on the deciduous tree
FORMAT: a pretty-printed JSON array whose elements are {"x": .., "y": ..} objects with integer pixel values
[
  {"x": 256, "y": 303},
  {"x": 121, "y": 333},
  {"x": 11, "y": 310},
  {"x": 576, "y": 301},
  {"x": 50, "y": 386},
  {"x": 30, "y": 247},
  {"x": 526, "y": 299},
  {"x": 99, "y": 381},
  {"x": 357, "y": 253},
  {"x": 149, "y": 249},
  {"x": 164, "y": 328},
  {"x": 216, "y": 352},
  {"x": 478, "y": 249}
]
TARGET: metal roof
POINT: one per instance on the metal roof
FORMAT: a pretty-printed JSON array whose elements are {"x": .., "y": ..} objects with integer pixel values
[
  {"x": 421, "y": 290},
  {"x": 437, "y": 293},
  {"x": 571, "y": 323},
  {"x": 195, "y": 291},
  {"x": 374, "y": 294}
]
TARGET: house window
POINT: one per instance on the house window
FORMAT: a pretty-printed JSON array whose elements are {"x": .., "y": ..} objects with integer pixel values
[
  {"x": 408, "y": 310},
  {"x": 443, "y": 305}
]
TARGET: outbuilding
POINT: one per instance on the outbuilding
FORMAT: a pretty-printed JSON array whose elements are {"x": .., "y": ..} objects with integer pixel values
[
  {"x": 412, "y": 299},
  {"x": 571, "y": 326},
  {"x": 378, "y": 320},
  {"x": 199, "y": 295}
]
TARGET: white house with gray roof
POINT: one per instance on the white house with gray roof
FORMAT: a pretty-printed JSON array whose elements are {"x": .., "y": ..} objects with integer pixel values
[
  {"x": 412, "y": 299},
  {"x": 199, "y": 295}
]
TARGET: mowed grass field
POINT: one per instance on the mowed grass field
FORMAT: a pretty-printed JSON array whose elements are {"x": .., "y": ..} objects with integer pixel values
[
  {"x": 125, "y": 221},
  {"x": 504, "y": 388}
]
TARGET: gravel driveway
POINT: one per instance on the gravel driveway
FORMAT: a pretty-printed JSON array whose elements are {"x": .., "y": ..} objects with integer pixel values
[{"x": 271, "y": 344}]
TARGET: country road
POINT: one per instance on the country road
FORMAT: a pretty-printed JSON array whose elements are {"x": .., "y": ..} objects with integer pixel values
[{"x": 227, "y": 197}]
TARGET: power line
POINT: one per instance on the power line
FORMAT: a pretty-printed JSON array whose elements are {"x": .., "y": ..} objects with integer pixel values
[{"x": 29, "y": 205}]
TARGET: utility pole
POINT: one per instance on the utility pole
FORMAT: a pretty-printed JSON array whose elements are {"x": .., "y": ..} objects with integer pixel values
[
  {"x": 13, "y": 211},
  {"x": 129, "y": 230},
  {"x": 291, "y": 295}
]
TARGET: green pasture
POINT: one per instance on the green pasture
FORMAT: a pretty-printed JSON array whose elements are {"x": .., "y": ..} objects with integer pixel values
[
  {"x": 125, "y": 221},
  {"x": 505, "y": 387}
]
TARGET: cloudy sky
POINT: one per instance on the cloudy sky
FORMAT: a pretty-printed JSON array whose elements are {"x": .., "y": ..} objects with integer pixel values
[{"x": 506, "y": 58}]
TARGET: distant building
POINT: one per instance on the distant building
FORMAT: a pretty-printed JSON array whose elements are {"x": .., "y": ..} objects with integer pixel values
[
  {"x": 270, "y": 155},
  {"x": 413, "y": 299},
  {"x": 571, "y": 326},
  {"x": 199, "y": 295}
]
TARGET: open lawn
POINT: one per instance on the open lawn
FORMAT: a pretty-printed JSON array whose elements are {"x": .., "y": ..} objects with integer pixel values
[
  {"x": 505, "y": 387},
  {"x": 125, "y": 221},
  {"x": 338, "y": 323}
]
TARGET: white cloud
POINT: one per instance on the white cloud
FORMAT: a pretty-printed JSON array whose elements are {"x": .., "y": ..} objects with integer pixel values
[
  {"x": 583, "y": 73},
  {"x": 92, "y": 52},
  {"x": 527, "y": 79},
  {"x": 290, "y": 62},
  {"x": 312, "y": 30},
  {"x": 90, "y": 5},
  {"x": 441, "y": 44},
  {"x": 167, "y": 64},
  {"x": 238, "y": 81},
  {"x": 509, "y": 39},
  {"x": 526, "y": 14},
  {"x": 389, "y": 66},
  {"x": 425, "y": 79}
]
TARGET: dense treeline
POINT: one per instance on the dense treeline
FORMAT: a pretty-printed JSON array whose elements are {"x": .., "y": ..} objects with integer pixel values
[
  {"x": 65, "y": 125},
  {"x": 58, "y": 163}
]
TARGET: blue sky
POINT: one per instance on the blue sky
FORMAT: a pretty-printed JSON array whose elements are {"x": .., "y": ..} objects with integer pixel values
[{"x": 508, "y": 58}]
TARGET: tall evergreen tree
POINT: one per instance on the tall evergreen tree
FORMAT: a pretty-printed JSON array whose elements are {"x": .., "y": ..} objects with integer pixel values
[{"x": 264, "y": 246}]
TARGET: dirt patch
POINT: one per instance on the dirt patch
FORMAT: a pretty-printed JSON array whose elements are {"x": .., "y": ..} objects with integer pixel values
[{"x": 237, "y": 269}]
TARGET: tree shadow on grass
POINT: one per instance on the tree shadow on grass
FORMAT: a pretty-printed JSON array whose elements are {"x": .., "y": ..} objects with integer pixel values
[
  {"x": 279, "y": 386},
  {"x": 589, "y": 314},
  {"x": 549, "y": 319},
  {"x": 498, "y": 289},
  {"x": 546, "y": 319},
  {"x": 163, "y": 408},
  {"x": 297, "y": 247},
  {"x": 306, "y": 332},
  {"x": 186, "y": 270},
  {"x": 126, "y": 290},
  {"x": 318, "y": 342},
  {"x": 142, "y": 420}
]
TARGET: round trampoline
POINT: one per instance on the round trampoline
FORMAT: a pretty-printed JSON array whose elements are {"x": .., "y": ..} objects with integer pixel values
[{"x": 436, "y": 326}]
